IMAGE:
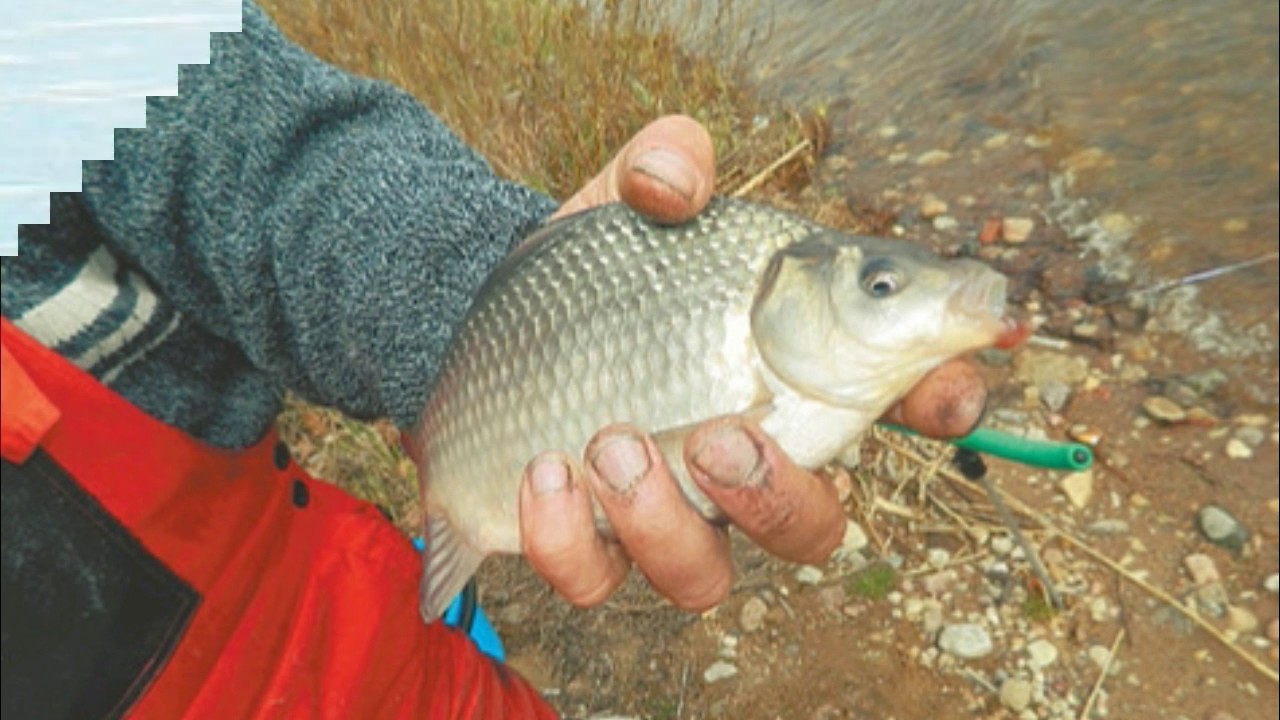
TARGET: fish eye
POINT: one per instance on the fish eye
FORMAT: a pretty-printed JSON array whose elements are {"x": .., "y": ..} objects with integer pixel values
[{"x": 880, "y": 280}]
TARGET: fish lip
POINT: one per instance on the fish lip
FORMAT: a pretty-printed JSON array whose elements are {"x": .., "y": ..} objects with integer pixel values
[{"x": 982, "y": 296}]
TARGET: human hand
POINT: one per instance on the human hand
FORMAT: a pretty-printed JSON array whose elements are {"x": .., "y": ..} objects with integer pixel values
[{"x": 667, "y": 172}]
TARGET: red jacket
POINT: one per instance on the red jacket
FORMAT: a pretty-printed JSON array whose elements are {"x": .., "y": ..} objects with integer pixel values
[{"x": 150, "y": 575}]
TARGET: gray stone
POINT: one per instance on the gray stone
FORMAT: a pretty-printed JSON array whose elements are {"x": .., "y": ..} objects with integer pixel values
[
  {"x": 995, "y": 357},
  {"x": 808, "y": 575},
  {"x": 1055, "y": 394},
  {"x": 1272, "y": 583},
  {"x": 1107, "y": 527},
  {"x": 751, "y": 617},
  {"x": 1163, "y": 409},
  {"x": 1222, "y": 528},
  {"x": 1015, "y": 694},
  {"x": 719, "y": 670},
  {"x": 1206, "y": 382},
  {"x": 1251, "y": 436},
  {"x": 1041, "y": 653},
  {"x": 965, "y": 640}
]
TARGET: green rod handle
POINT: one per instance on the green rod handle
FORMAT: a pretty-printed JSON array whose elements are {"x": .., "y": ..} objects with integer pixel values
[{"x": 1037, "y": 453}]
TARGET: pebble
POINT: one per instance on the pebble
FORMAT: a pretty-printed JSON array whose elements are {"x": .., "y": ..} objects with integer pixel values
[
  {"x": 1201, "y": 569},
  {"x": 931, "y": 207},
  {"x": 719, "y": 670},
  {"x": 1078, "y": 487},
  {"x": 1163, "y": 409},
  {"x": 1099, "y": 610},
  {"x": 1055, "y": 394},
  {"x": 965, "y": 640},
  {"x": 1222, "y": 528},
  {"x": 1272, "y": 583},
  {"x": 1206, "y": 382},
  {"x": 1042, "y": 653},
  {"x": 945, "y": 223},
  {"x": 938, "y": 557},
  {"x": 1249, "y": 435},
  {"x": 936, "y": 584},
  {"x": 808, "y": 575},
  {"x": 1241, "y": 620},
  {"x": 1238, "y": 450},
  {"x": 996, "y": 141},
  {"x": 1108, "y": 527},
  {"x": 1001, "y": 545},
  {"x": 1017, "y": 229},
  {"x": 1015, "y": 694},
  {"x": 1099, "y": 654},
  {"x": 933, "y": 157},
  {"x": 751, "y": 617}
]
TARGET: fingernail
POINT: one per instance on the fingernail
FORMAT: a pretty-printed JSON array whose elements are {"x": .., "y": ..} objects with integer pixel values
[
  {"x": 730, "y": 458},
  {"x": 548, "y": 476},
  {"x": 621, "y": 461},
  {"x": 669, "y": 168}
]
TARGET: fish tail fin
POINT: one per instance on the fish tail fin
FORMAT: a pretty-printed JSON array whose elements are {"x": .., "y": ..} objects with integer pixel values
[{"x": 448, "y": 562}]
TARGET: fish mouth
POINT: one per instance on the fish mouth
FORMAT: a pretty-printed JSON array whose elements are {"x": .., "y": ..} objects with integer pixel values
[{"x": 981, "y": 298}]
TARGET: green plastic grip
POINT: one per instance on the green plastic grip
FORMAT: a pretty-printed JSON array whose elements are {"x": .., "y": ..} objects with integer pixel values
[{"x": 1037, "y": 453}]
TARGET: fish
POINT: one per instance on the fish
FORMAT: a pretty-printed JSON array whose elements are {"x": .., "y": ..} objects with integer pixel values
[{"x": 604, "y": 316}]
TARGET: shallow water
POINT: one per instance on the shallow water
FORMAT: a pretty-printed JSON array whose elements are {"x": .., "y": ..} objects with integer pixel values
[{"x": 1162, "y": 110}]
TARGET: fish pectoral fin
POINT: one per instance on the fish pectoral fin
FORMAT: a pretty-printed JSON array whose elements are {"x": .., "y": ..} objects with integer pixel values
[{"x": 448, "y": 562}]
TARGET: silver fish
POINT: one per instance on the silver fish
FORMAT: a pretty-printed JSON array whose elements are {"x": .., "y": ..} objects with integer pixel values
[{"x": 604, "y": 317}]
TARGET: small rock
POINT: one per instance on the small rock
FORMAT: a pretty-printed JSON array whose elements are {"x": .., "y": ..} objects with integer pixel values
[
  {"x": 931, "y": 207},
  {"x": 1250, "y": 435},
  {"x": 1241, "y": 620},
  {"x": 938, "y": 583},
  {"x": 1042, "y": 653},
  {"x": 1078, "y": 487},
  {"x": 855, "y": 539},
  {"x": 1015, "y": 694},
  {"x": 1017, "y": 229},
  {"x": 931, "y": 618},
  {"x": 1201, "y": 569},
  {"x": 751, "y": 617},
  {"x": 1100, "y": 654},
  {"x": 933, "y": 157},
  {"x": 1085, "y": 330},
  {"x": 938, "y": 557},
  {"x": 1107, "y": 527},
  {"x": 994, "y": 357},
  {"x": 1237, "y": 450},
  {"x": 1001, "y": 545},
  {"x": 945, "y": 223},
  {"x": 1206, "y": 382},
  {"x": 1272, "y": 583},
  {"x": 1164, "y": 410},
  {"x": 719, "y": 670},
  {"x": 1054, "y": 394},
  {"x": 965, "y": 640},
  {"x": 1222, "y": 528},
  {"x": 996, "y": 141},
  {"x": 1099, "y": 610},
  {"x": 808, "y": 575}
]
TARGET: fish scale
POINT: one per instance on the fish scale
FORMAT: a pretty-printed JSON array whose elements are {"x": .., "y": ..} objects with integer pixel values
[{"x": 599, "y": 318}]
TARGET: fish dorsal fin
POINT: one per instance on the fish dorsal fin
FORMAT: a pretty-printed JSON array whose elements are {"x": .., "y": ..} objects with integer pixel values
[{"x": 448, "y": 562}]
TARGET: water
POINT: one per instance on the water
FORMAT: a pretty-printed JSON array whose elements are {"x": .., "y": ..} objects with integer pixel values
[
  {"x": 1164, "y": 111},
  {"x": 72, "y": 71}
]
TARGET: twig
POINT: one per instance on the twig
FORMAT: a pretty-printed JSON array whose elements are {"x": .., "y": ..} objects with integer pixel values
[
  {"x": 1032, "y": 556},
  {"x": 1169, "y": 600},
  {"x": 758, "y": 179},
  {"x": 1102, "y": 675}
]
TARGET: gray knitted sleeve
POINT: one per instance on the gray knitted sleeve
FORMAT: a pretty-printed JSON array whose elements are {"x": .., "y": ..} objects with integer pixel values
[{"x": 327, "y": 225}]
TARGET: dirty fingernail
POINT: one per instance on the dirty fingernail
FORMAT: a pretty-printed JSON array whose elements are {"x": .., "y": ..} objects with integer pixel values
[
  {"x": 729, "y": 457},
  {"x": 669, "y": 168},
  {"x": 548, "y": 476},
  {"x": 621, "y": 461}
]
